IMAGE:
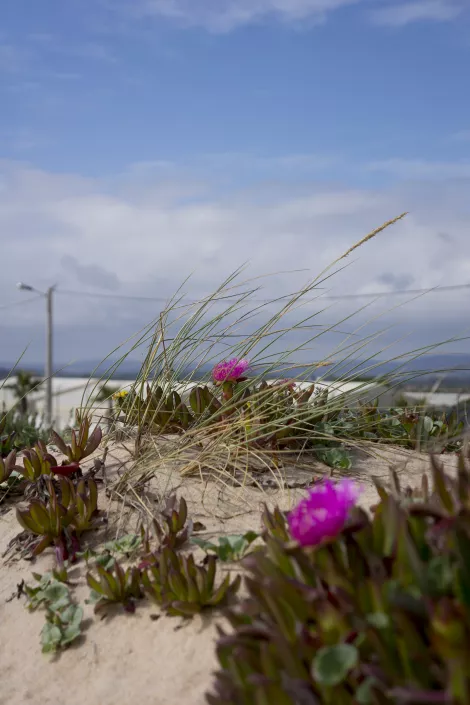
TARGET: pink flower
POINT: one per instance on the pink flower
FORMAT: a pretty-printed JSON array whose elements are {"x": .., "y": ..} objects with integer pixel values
[
  {"x": 323, "y": 514},
  {"x": 230, "y": 370}
]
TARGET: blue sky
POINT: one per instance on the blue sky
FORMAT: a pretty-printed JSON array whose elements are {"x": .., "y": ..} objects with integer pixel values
[
  {"x": 212, "y": 132},
  {"x": 148, "y": 88}
]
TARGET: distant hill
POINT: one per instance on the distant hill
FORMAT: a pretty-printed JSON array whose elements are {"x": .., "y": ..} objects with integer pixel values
[{"x": 454, "y": 369}]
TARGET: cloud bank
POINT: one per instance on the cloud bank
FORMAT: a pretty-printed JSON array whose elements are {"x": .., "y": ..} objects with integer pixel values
[{"x": 141, "y": 235}]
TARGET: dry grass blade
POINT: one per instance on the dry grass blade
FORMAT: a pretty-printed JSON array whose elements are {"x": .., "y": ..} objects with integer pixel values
[
  {"x": 235, "y": 442},
  {"x": 373, "y": 234}
]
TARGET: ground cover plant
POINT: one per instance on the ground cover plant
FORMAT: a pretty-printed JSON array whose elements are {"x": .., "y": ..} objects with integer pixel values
[
  {"x": 344, "y": 607},
  {"x": 63, "y": 616},
  {"x": 228, "y": 548},
  {"x": 299, "y": 636},
  {"x": 241, "y": 426}
]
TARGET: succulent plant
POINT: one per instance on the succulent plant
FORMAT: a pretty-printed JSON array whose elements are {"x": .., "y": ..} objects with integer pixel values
[
  {"x": 115, "y": 586},
  {"x": 126, "y": 546},
  {"x": 6, "y": 439},
  {"x": 203, "y": 402},
  {"x": 155, "y": 411},
  {"x": 7, "y": 466},
  {"x": 82, "y": 444},
  {"x": 228, "y": 548},
  {"x": 275, "y": 524},
  {"x": 63, "y": 616},
  {"x": 173, "y": 533},
  {"x": 49, "y": 588},
  {"x": 84, "y": 499},
  {"x": 37, "y": 462},
  {"x": 177, "y": 529},
  {"x": 61, "y": 521},
  {"x": 380, "y": 614},
  {"x": 408, "y": 427},
  {"x": 63, "y": 626},
  {"x": 46, "y": 520},
  {"x": 182, "y": 588}
]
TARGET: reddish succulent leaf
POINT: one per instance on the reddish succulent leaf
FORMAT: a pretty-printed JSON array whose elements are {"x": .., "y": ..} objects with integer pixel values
[
  {"x": 66, "y": 470},
  {"x": 61, "y": 445}
]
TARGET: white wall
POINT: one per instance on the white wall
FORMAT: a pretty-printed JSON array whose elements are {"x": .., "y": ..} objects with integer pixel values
[{"x": 70, "y": 393}]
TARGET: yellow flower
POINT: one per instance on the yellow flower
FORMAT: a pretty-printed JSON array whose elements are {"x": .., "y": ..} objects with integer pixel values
[{"x": 121, "y": 394}]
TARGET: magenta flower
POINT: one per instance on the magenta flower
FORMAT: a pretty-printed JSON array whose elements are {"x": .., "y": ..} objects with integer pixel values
[
  {"x": 230, "y": 370},
  {"x": 323, "y": 514}
]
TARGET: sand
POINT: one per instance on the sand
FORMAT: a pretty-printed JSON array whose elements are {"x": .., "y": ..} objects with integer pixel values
[{"x": 140, "y": 658}]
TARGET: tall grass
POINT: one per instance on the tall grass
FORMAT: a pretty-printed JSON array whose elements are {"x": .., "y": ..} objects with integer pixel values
[{"x": 229, "y": 323}]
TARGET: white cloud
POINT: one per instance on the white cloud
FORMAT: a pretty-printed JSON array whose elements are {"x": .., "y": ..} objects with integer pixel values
[
  {"x": 404, "y": 13},
  {"x": 226, "y": 15},
  {"x": 138, "y": 235},
  {"x": 422, "y": 169}
]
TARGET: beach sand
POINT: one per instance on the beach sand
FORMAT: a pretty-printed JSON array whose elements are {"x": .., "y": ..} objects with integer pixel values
[{"x": 140, "y": 657}]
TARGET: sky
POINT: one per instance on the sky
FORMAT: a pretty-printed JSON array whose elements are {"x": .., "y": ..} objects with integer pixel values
[{"x": 143, "y": 142}]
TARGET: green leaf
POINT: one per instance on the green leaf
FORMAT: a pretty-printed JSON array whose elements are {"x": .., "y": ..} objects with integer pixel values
[
  {"x": 50, "y": 637},
  {"x": 73, "y": 615},
  {"x": 205, "y": 545},
  {"x": 439, "y": 575},
  {"x": 224, "y": 549},
  {"x": 250, "y": 536},
  {"x": 335, "y": 458},
  {"x": 428, "y": 424},
  {"x": 363, "y": 693},
  {"x": 56, "y": 592},
  {"x": 106, "y": 561},
  {"x": 94, "y": 597},
  {"x": 70, "y": 633},
  {"x": 236, "y": 543},
  {"x": 94, "y": 584},
  {"x": 333, "y": 663},
  {"x": 379, "y": 620}
]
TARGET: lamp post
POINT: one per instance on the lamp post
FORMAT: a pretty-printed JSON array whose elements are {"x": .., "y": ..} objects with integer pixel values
[{"x": 49, "y": 345}]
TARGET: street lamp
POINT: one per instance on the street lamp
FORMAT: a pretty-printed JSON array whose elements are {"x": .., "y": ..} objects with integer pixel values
[{"x": 49, "y": 342}]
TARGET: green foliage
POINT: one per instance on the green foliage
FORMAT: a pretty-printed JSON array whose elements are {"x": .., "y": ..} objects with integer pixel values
[
  {"x": 155, "y": 411},
  {"x": 48, "y": 520},
  {"x": 275, "y": 524},
  {"x": 114, "y": 586},
  {"x": 183, "y": 588},
  {"x": 379, "y": 615},
  {"x": 60, "y": 521},
  {"x": 63, "y": 616},
  {"x": 24, "y": 384},
  {"x": 83, "y": 499},
  {"x": 125, "y": 546},
  {"x": 7, "y": 438},
  {"x": 228, "y": 548},
  {"x": 281, "y": 417},
  {"x": 175, "y": 529},
  {"x": 105, "y": 393},
  {"x": 336, "y": 457},
  {"x": 51, "y": 587},
  {"x": 8, "y": 466},
  {"x": 19, "y": 431},
  {"x": 408, "y": 427},
  {"x": 273, "y": 416},
  {"x": 82, "y": 443},
  {"x": 37, "y": 461},
  {"x": 63, "y": 626}
]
